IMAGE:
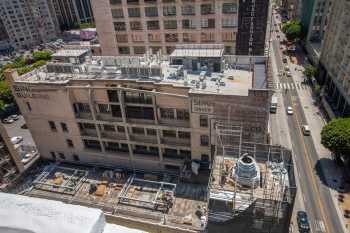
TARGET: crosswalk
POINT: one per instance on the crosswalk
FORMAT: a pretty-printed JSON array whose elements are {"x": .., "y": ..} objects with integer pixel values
[{"x": 289, "y": 86}]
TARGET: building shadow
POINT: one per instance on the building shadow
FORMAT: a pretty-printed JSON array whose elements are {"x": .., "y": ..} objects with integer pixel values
[{"x": 332, "y": 175}]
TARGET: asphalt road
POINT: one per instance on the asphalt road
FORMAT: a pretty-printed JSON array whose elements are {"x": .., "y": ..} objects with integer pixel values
[{"x": 317, "y": 197}]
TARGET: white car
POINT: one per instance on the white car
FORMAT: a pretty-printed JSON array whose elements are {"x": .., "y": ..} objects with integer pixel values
[
  {"x": 289, "y": 74},
  {"x": 306, "y": 130},
  {"x": 17, "y": 139},
  {"x": 27, "y": 158},
  {"x": 290, "y": 110}
]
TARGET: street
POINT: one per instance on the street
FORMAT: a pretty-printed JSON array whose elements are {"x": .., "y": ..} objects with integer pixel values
[{"x": 316, "y": 196}]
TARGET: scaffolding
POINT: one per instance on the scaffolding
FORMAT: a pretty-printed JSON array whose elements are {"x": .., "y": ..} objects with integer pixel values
[{"x": 265, "y": 207}]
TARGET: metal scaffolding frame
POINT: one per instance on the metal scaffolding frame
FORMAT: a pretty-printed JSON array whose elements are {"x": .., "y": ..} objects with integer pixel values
[{"x": 269, "y": 204}]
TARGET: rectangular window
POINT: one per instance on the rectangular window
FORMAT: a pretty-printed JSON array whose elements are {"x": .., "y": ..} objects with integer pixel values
[
  {"x": 61, "y": 155},
  {"x": 119, "y": 26},
  {"x": 138, "y": 130},
  {"x": 207, "y": 9},
  {"x": 167, "y": 113},
  {"x": 124, "y": 147},
  {"x": 153, "y": 150},
  {"x": 116, "y": 111},
  {"x": 151, "y": 11},
  {"x": 111, "y": 146},
  {"x": 203, "y": 121},
  {"x": 117, "y": 13},
  {"x": 169, "y": 10},
  {"x": 228, "y": 8},
  {"x": 52, "y": 126},
  {"x": 112, "y": 95},
  {"x": 124, "y": 50},
  {"x": 53, "y": 155},
  {"x": 134, "y": 12},
  {"x": 92, "y": 144},
  {"x": 69, "y": 143},
  {"x": 170, "y": 152},
  {"x": 204, "y": 140},
  {"x": 76, "y": 157},
  {"x": 29, "y": 107},
  {"x": 184, "y": 135},
  {"x": 170, "y": 24},
  {"x": 229, "y": 23},
  {"x": 103, "y": 108},
  {"x": 135, "y": 25},
  {"x": 169, "y": 133},
  {"x": 115, "y": 2},
  {"x": 188, "y": 10},
  {"x": 185, "y": 154},
  {"x": 121, "y": 129},
  {"x": 86, "y": 126},
  {"x": 140, "y": 113},
  {"x": 153, "y": 25},
  {"x": 83, "y": 107},
  {"x": 208, "y": 23},
  {"x": 188, "y": 24},
  {"x": 182, "y": 114},
  {"x": 139, "y": 50},
  {"x": 171, "y": 37},
  {"x": 109, "y": 128},
  {"x": 151, "y": 132},
  {"x": 64, "y": 127}
]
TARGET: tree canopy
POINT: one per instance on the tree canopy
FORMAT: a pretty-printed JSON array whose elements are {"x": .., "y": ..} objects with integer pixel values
[
  {"x": 335, "y": 136},
  {"x": 292, "y": 29},
  {"x": 310, "y": 71},
  {"x": 41, "y": 55},
  {"x": 87, "y": 25}
]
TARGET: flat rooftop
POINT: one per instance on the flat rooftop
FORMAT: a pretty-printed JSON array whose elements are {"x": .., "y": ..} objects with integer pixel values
[
  {"x": 154, "y": 198},
  {"x": 237, "y": 76},
  {"x": 70, "y": 53}
]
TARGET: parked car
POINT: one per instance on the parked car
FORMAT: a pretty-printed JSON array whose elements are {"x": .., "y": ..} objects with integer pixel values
[
  {"x": 303, "y": 222},
  {"x": 289, "y": 74},
  {"x": 7, "y": 121},
  {"x": 14, "y": 117},
  {"x": 290, "y": 110},
  {"x": 306, "y": 130},
  {"x": 17, "y": 139}
]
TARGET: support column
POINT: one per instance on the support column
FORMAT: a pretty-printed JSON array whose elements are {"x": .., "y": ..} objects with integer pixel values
[
  {"x": 122, "y": 109},
  {"x": 93, "y": 113},
  {"x": 159, "y": 142}
]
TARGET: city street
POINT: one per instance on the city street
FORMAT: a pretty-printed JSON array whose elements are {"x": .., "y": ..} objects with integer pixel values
[{"x": 316, "y": 196}]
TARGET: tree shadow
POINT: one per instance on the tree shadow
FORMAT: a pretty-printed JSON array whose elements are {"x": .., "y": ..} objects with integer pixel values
[{"x": 332, "y": 175}]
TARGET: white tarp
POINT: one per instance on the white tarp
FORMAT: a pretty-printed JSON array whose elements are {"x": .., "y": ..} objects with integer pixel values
[{"x": 22, "y": 214}]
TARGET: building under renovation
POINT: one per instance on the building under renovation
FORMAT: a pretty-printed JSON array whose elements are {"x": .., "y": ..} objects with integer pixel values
[
  {"x": 152, "y": 112},
  {"x": 169, "y": 144}
]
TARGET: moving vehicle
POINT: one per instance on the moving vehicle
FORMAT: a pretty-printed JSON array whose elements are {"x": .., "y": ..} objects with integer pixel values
[
  {"x": 289, "y": 74},
  {"x": 14, "y": 117},
  {"x": 303, "y": 222},
  {"x": 290, "y": 110},
  {"x": 306, "y": 130},
  {"x": 273, "y": 105},
  {"x": 17, "y": 139}
]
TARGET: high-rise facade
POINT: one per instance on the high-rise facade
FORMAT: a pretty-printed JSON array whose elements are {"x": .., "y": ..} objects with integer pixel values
[
  {"x": 5, "y": 46},
  {"x": 335, "y": 59},
  {"x": 27, "y": 22},
  {"x": 71, "y": 13},
  {"x": 131, "y": 27},
  {"x": 314, "y": 18}
]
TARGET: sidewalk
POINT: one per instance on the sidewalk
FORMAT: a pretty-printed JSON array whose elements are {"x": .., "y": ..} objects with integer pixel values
[{"x": 314, "y": 118}]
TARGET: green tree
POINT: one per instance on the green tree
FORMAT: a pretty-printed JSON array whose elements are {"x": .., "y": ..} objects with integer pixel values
[
  {"x": 310, "y": 71},
  {"x": 5, "y": 93},
  {"x": 87, "y": 25},
  {"x": 38, "y": 63},
  {"x": 292, "y": 29},
  {"x": 335, "y": 136},
  {"x": 41, "y": 55}
]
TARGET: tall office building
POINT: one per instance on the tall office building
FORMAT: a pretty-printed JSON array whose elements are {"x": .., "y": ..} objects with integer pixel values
[
  {"x": 335, "y": 59},
  {"x": 314, "y": 18},
  {"x": 71, "y": 13},
  {"x": 27, "y": 22},
  {"x": 131, "y": 27},
  {"x": 251, "y": 27},
  {"x": 5, "y": 45}
]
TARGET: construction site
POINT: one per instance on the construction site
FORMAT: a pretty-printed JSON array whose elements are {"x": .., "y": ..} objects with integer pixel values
[{"x": 250, "y": 187}]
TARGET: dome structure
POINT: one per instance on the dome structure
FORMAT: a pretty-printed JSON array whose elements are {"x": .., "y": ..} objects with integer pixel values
[{"x": 246, "y": 171}]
